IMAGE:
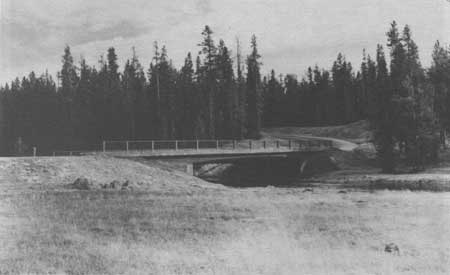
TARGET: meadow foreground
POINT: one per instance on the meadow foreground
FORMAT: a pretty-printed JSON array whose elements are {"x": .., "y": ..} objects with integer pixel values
[{"x": 198, "y": 229}]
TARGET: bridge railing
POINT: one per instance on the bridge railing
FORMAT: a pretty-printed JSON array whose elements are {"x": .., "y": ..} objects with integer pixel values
[
  {"x": 195, "y": 145},
  {"x": 154, "y": 145}
]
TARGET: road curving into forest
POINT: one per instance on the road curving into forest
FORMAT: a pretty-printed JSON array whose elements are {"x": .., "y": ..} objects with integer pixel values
[{"x": 339, "y": 144}]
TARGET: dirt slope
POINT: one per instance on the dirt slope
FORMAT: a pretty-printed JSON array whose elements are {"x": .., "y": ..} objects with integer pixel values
[{"x": 57, "y": 172}]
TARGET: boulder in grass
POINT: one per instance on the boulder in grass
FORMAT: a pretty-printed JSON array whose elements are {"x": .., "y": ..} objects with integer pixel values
[
  {"x": 392, "y": 248},
  {"x": 127, "y": 185},
  {"x": 82, "y": 184},
  {"x": 115, "y": 184}
]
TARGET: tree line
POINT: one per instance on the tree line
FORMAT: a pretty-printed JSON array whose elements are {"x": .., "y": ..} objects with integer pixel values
[
  {"x": 205, "y": 99},
  {"x": 211, "y": 96},
  {"x": 407, "y": 105}
]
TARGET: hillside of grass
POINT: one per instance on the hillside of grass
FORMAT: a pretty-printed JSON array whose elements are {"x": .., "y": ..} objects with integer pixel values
[{"x": 56, "y": 173}]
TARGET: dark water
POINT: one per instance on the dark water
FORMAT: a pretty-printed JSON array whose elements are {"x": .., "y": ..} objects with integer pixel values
[{"x": 263, "y": 172}]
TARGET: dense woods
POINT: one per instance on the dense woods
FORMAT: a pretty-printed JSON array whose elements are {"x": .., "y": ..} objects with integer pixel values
[{"x": 211, "y": 96}]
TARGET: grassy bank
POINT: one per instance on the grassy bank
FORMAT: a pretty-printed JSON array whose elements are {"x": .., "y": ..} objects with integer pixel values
[
  {"x": 177, "y": 224},
  {"x": 254, "y": 231}
]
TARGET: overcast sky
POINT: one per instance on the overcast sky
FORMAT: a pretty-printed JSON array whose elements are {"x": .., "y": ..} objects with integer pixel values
[{"x": 292, "y": 34}]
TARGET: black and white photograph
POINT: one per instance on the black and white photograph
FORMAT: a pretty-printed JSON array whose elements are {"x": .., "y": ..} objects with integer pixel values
[{"x": 260, "y": 137}]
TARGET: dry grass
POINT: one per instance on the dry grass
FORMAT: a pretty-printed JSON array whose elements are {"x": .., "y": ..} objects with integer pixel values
[
  {"x": 229, "y": 231},
  {"x": 182, "y": 225},
  {"x": 55, "y": 173}
]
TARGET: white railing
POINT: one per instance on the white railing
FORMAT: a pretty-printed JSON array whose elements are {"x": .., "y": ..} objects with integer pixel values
[{"x": 130, "y": 146}]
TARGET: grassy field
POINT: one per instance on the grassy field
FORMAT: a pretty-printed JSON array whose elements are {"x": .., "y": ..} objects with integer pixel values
[
  {"x": 177, "y": 224},
  {"x": 224, "y": 231}
]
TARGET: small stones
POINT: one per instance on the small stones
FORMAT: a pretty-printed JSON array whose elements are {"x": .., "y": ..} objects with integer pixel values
[
  {"x": 115, "y": 184},
  {"x": 127, "y": 185},
  {"x": 82, "y": 184},
  {"x": 86, "y": 184},
  {"x": 124, "y": 186},
  {"x": 392, "y": 248},
  {"x": 323, "y": 228}
]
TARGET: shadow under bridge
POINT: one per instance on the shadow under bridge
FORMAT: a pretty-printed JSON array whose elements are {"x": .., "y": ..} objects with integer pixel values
[{"x": 276, "y": 169}]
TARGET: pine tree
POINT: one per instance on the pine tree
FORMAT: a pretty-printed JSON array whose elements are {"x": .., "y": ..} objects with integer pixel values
[
  {"x": 439, "y": 75},
  {"x": 321, "y": 92},
  {"x": 422, "y": 140},
  {"x": 273, "y": 109},
  {"x": 68, "y": 75},
  {"x": 187, "y": 103},
  {"x": 364, "y": 86},
  {"x": 292, "y": 101},
  {"x": 209, "y": 52},
  {"x": 85, "y": 124},
  {"x": 371, "y": 89},
  {"x": 69, "y": 81},
  {"x": 254, "y": 91},
  {"x": 382, "y": 120},
  {"x": 227, "y": 93},
  {"x": 398, "y": 62},
  {"x": 201, "y": 123},
  {"x": 117, "y": 115},
  {"x": 241, "y": 112},
  {"x": 133, "y": 83},
  {"x": 344, "y": 90}
]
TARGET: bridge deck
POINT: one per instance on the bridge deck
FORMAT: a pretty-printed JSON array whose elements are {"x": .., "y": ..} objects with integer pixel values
[
  {"x": 180, "y": 148},
  {"x": 205, "y": 152}
]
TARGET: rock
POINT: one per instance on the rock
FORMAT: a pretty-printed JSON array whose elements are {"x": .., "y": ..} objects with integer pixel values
[
  {"x": 342, "y": 192},
  {"x": 323, "y": 228},
  {"x": 115, "y": 184},
  {"x": 308, "y": 190},
  {"x": 392, "y": 248},
  {"x": 82, "y": 184},
  {"x": 127, "y": 185}
]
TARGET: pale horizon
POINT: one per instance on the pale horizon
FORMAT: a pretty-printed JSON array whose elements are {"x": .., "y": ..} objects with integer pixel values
[{"x": 292, "y": 35}]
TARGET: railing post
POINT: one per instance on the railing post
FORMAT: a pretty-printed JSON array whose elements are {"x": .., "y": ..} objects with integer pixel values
[
  {"x": 264, "y": 144},
  {"x": 34, "y": 151},
  {"x": 104, "y": 146},
  {"x": 127, "y": 145},
  {"x": 234, "y": 144},
  {"x": 153, "y": 145},
  {"x": 250, "y": 144},
  {"x": 290, "y": 144},
  {"x": 278, "y": 144},
  {"x": 197, "y": 144},
  {"x": 217, "y": 144},
  {"x": 176, "y": 145},
  {"x": 54, "y": 154}
]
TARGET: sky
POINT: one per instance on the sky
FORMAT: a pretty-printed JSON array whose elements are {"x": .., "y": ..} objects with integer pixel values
[{"x": 292, "y": 34}]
